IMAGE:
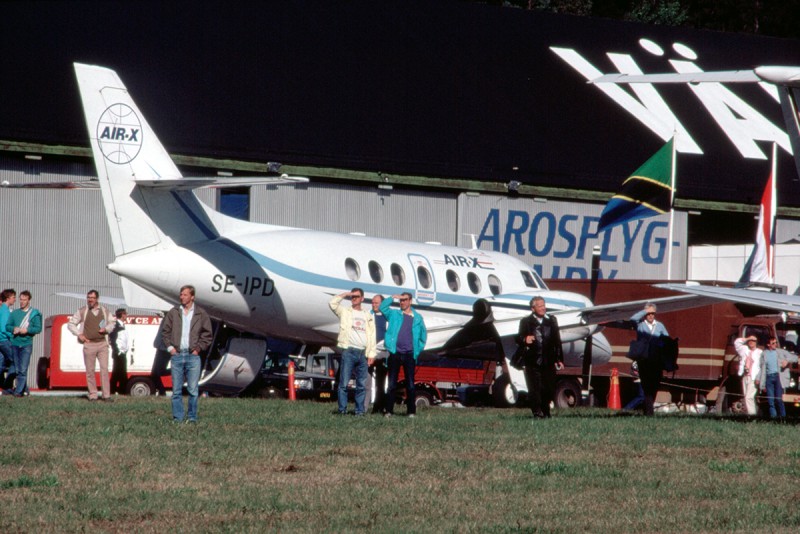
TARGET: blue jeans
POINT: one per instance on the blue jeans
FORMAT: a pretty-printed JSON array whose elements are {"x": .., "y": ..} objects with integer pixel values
[
  {"x": 353, "y": 360},
  {"x": 6, "y": 364},
  {"x": 408, "y": 363},
  {"x": 185, "y": 367},
  {"x": 22, "y": 359},
  {"x": 775, "y": 395}
]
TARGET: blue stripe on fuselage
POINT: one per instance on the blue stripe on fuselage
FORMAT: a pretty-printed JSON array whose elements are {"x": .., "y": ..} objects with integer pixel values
[{"x": 306, "y": 277}]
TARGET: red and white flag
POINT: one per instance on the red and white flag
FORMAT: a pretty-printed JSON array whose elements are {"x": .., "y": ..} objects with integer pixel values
[{"x": 760, "y": 267}]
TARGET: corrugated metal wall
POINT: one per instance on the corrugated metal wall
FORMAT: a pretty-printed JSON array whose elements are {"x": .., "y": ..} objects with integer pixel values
[{"x": 397, "y": 214}]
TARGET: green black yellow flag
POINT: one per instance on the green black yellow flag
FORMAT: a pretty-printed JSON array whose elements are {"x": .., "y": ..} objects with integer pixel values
[{"x": 646, "y": 193}]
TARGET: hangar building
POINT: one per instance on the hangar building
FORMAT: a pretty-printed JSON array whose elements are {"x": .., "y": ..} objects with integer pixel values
[{"x": 473, "y": 124}]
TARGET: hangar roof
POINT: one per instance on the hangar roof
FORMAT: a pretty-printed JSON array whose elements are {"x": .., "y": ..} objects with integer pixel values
[{"x": 444, "y": 90}]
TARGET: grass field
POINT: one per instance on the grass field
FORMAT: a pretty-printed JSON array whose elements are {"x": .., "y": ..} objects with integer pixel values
[{"x": 272, "y": 465}]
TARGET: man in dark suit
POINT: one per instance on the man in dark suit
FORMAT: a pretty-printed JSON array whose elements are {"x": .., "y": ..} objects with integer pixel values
[{"x": 539, "y": 333}]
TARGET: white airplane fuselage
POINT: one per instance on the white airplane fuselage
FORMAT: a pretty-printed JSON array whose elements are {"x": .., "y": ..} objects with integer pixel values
[{"x": 278, "y": 282}]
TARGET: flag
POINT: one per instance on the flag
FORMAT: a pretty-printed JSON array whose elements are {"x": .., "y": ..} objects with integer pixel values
[
  {"x": 646, "y": 193},
  {"x": 760, "y": 267}
]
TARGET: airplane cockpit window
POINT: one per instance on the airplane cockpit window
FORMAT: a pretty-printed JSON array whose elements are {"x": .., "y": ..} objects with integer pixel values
[
  {"x": 495, "y": 285},
  {"x": 375, "y": 272},
  {"x": 539, "y": 280},
  {"x": 528, "y": 278},
  {"x": 474, "y": 283},
  {"x": 398, "y": 275},
  {"x": 424, "y": 277},
  {"x": 352, "y": 269},
  {"x": 453, "y": 281}
]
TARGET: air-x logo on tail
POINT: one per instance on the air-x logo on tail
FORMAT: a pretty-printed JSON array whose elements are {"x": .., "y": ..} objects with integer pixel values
[{"x": 119, "y": 134}]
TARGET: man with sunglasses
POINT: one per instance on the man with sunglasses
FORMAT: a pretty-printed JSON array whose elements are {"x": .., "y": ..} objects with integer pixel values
[
  {"x": 651, "y": 366},
  {"x": 405, "y": 340},
  {"x": 357, "y": 343},
  {"x": 774, "y": 376}
]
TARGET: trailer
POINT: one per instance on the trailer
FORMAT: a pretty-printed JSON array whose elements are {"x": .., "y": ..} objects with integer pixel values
[
  {"x": 62, "y": 366},
  {"x": 707, "y": 372}
]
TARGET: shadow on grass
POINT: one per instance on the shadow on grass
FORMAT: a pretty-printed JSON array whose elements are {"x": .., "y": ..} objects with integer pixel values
[{"x": 603, "y": 413}]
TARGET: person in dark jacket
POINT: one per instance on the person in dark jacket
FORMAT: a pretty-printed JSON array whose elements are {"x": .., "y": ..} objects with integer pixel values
[
  {"x": 651, "y": 367},
  {"x": 544, "y": 356},
  {"x": 186, "y": 333}
]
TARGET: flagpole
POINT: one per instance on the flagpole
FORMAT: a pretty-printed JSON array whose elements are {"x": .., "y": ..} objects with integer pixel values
[
  {"x": 773, "y": 211},
  {"x": 671, "y": 210}
]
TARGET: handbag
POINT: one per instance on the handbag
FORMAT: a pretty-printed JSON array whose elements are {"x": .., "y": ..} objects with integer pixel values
[
  {"x": 639, "y": 350},
  {"x": 518, "y": 358}
]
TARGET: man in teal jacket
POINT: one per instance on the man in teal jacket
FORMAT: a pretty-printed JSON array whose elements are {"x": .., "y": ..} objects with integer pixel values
[
  {"x": 405, "y": 340},
  {"x": 23, "y": 324},
  {"x": 7, "y": 299}
]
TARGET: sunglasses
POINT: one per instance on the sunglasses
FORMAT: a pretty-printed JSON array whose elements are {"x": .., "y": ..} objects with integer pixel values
[{"x": 405, "y": 299}]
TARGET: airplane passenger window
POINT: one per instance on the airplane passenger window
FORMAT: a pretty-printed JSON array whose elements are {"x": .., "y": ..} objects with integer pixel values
[
  {"x": 352, "y": 269},
  {"x": 495, "y": 285},
  {"x": 453, "y": 282},
  {"x": 474, "y": 283},
  {"x": 375, "y": 272},
  {"x": 398, "y": 276},
  {"x": 424, "y": 277}
]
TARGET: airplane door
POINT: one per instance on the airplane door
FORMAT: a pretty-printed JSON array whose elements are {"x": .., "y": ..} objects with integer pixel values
[{"x": 424, "y": 280}]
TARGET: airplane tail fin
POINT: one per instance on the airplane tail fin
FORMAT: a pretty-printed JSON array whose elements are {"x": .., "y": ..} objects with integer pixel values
[
  {"x": 128, "y": 155},
  {"x": 790, "y": 96}
]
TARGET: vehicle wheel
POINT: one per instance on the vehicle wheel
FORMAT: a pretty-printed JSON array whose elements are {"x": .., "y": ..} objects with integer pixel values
[
  {"x": 423, "y": 399},
  {"x": 728, "y": 403},
  {"x": 503, "y": 393},
  {"x": 568, "y": 393},
  {"x": 42, "y": 378},
  {"x": 140, "y": 386}
]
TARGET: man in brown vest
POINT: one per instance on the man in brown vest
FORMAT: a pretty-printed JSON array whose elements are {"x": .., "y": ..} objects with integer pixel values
[{"x": 92, "y": 324}]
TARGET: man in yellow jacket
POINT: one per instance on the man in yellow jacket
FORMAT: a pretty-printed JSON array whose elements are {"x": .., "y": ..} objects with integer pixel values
[{"x": 357, "y": 342}]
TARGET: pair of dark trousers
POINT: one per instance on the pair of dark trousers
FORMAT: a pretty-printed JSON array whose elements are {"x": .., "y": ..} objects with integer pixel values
[
  {"x": 650, "y": 372},
  {"x": 407, "y": 362},
  {"x": 119, "y": 373},
  {"x": 541, "y": 382}
]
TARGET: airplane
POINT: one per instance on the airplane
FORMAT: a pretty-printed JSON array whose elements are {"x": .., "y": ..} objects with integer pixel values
[
  {"x": 276, "y": 281},
  {"x": 787, "y": 79}
]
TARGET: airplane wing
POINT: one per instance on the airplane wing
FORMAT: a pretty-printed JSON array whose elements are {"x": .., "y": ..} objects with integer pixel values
[
  {"x": 622, "y": 311},
  {"x": 780, "y": 75},
  {"x": 765, "y": 299},
  {"x": 730, "y": 76}
]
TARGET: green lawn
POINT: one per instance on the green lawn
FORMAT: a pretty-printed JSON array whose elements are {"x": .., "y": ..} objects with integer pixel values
[{"x": 269, "y": 465}]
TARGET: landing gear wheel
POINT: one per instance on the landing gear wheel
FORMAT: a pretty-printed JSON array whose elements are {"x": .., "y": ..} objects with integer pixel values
[
  {"x": 503, "y": 393},
  {"x": 568, "y": 393}
]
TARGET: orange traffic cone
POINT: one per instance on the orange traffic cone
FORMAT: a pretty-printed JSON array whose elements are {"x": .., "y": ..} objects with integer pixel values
[
  {"x": 292, "y": 394},
  {"x": 614, "y": 402}
]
